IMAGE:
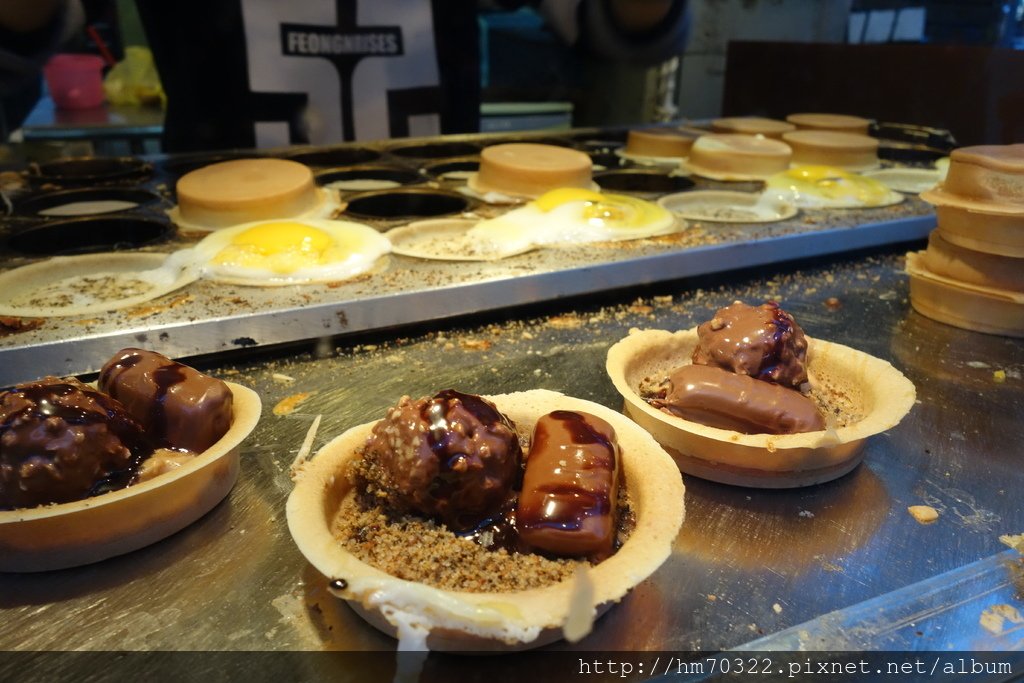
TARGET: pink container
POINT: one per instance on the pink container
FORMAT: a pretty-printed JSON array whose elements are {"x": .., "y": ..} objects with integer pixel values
[{"x": 75, "y": 81}]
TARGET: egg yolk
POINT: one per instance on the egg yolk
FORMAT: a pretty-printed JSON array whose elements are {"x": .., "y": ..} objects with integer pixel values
[
  {"x": 281, "y": 247},
  {"x": 613, "y": 210},
  {"x": 832, "y": 183},
  {"x": 555, "y": 198}
]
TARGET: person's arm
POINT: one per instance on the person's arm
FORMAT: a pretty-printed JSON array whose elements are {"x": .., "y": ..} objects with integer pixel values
[
  {"x": 26, "y": 16},
  {"x": 641, "y": 31},
  {"x": 31, "y": 31},
  {"x": 639, "y": 16}
]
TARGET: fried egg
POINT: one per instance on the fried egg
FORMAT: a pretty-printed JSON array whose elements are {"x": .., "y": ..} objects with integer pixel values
[
  {"x": 827, "y": 187},
  {"x": 573, "y": 216},
  {"x": 287, "y": 252}
]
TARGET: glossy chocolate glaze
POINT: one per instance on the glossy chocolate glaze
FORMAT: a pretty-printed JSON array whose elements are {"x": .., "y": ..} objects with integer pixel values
[
  {"x": 719, "y": 398},
  {"x": 498, "y": 531},
  {"x": 760, "y": 341},
  {"x": 179, "y": 407},
  {"x": 453, "y": 457},
  {"x": 568, "y": 501},
  {"x": 61, "y": 440}
]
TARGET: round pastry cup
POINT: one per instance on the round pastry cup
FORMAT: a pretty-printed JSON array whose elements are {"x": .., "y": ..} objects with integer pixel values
[
  {"x": 725, "y": 206},
  {"x": 731, "y": 156},
  {"x": 994, "y": 233},
  {"x": 444, "y": 239},
  {"x": 991, "y": 176},
  {"x": 522, "y": 169},
  {"x": 762, "y": 460},
  {"x": 648, "y": 160},
  {"x": 940, "y": 196},
  {"x": 208, "y": 197},
  {"x": 493, "y": 195},
  {"x": 838, "y": 122},
  {"x": 464, "y": 621},
  {"x": 326, "y": 206},
  {"x": 849, "y": 151},
  {"x": 963, "y": 304},
  {"x": 972, "y": 267},
  {"x": 118, "y": 522},
  {"x": 752, "y": 125},
  {"x": 67, "y": 274},
  {"x": 658, "y": 143}
]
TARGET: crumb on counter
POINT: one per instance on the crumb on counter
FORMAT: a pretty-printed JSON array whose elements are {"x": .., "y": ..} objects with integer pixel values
[
  {"x": 1015, "y": 541},
  {"x": 923, "y": 514},
  {"x": 475, "y": 344},
  {"x": 13, "y": 325},
  {"x": 993, "y": 618},
  {"x": 288, "y": 404}
]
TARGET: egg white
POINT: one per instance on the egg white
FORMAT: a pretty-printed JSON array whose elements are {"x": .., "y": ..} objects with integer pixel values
[
  {"x": 335, "y": 250},
  {"x": 572, "y": 216},
  {"x": 827, "y": 187}
]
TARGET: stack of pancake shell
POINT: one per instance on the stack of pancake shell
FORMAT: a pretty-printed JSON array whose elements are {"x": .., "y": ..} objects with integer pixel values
[{"x": 972, "y": 273}]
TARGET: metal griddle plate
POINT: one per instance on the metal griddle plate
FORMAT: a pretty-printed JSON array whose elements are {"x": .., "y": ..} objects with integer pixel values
[
  {"x": 748, "y": 563},
  {"x": 208, "y": 317}
]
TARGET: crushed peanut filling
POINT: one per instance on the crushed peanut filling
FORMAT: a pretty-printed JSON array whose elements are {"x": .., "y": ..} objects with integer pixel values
[{"x": 417, "y": 549}]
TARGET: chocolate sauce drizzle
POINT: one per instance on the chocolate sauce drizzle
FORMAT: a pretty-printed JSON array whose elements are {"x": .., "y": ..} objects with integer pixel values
[
  {"x": 582, "y": 431},
  {"x": 499, "y": 530},
  {"x": 45, "y": 401},
  {"x": 780, "y": 325},
  {"x": 440, "y": 435},
  {"x": 164, "y": 377},
  {"x": 568, "y": 506},
  {"x": 439, "y": 438}
]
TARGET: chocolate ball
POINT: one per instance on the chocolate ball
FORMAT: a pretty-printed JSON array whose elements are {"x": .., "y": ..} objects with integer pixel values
[
  {"x": 453, "y": 457},
  {"x": 61, "y": 440},
  {"x": 763, "y": 342}
]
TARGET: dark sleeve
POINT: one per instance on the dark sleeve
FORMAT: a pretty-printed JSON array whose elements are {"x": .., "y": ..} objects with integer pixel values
[
  {"x": 457, "y": 41},
  {"x": 23, "y": 54},
  {"x": 199, "y": 50},
  {"x": 590, "y": 24}
]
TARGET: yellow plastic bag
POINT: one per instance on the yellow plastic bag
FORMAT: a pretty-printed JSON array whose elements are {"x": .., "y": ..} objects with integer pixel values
[{"x": 134, "y": 80}]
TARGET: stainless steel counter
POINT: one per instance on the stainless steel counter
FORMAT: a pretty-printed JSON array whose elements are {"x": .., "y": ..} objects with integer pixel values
[
  {"x": 747, "y": 565},
  {"x": 207, "y": 317}
]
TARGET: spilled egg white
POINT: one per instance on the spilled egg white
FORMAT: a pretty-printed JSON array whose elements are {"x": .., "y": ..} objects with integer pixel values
[
  {"x": 573, "y": 216},
  {"x": 288, "y": 251},
  {"x": 906, "y": 180},
  {"x": 828, "y": 187}
]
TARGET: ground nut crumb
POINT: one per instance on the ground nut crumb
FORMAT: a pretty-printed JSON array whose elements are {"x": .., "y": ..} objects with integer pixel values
[
  {"x": 438, "y": 557},
  {"x": 840, "y": 403},
  {"x": 923, "y": 514},
  {"x": 416, "y": 549}
]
